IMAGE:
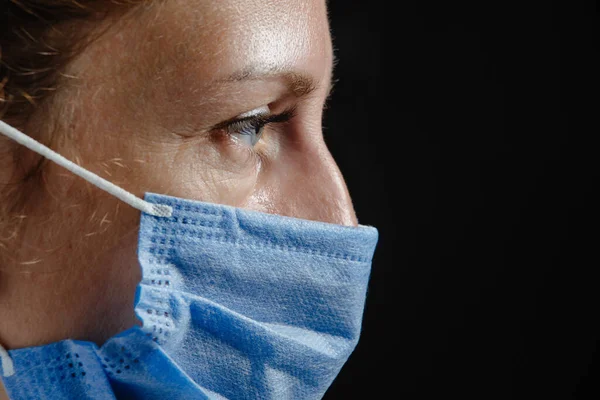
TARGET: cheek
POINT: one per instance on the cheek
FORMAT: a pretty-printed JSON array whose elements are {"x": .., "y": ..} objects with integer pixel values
[
  {"x": 143, "y": 156},
  {"x": 210, "y": 169}
]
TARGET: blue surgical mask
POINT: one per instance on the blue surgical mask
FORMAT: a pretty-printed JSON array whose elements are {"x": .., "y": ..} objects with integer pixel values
[{"x": 235, "y": 304}]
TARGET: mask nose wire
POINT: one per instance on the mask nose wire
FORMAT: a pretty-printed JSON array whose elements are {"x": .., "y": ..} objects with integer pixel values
[
  {"x": 8, "y": 367},
  {"x": 159, "y": 210}
]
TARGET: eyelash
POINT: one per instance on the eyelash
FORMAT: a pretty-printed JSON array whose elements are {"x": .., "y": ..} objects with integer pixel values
[{"x": 257, "y": 122}]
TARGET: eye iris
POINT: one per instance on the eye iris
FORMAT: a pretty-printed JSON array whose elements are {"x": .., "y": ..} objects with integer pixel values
[
  {"x": 250, "y": 128},
  {"x": 249, "y": 132}
]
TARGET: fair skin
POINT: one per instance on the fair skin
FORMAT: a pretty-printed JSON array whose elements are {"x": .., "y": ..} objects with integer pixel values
[{"x": 145, "y": 107}]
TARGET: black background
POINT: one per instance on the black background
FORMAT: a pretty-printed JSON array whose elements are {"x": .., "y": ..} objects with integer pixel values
[{"x": 465, "y": 132}]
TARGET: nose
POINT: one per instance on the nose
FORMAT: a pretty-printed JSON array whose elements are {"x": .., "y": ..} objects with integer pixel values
[{"x": 310, "y": 185}]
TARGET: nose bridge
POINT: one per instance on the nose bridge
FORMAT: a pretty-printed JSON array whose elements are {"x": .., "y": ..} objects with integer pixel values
[{"x": 319, "y": 190}]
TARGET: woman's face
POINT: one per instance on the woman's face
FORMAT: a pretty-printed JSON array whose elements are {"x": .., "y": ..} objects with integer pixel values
[{"x": 176, "y": 99}]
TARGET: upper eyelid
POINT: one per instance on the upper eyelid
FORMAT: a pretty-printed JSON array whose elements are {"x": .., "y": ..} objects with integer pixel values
[
  {"x": 244, "y": 123},
  {"x": 260, "y": 118},
  {"x": 229, "y": 122},
  {"x": 249, "y": 121}
]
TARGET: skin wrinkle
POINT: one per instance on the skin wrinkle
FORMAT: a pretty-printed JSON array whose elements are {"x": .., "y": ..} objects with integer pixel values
[{"x": 137, "y": 106}]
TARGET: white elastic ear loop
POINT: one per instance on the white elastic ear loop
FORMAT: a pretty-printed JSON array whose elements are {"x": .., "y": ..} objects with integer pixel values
[
  {"x": 8, "y": 367},
  {"x": 159, "y": 210}
]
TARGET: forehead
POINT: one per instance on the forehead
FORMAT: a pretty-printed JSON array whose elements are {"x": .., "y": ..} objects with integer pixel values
[{"x": 217, "y": 38}]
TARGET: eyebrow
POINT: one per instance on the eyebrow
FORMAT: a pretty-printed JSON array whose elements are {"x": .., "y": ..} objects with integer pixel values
[{"x": 301, "y": 85}]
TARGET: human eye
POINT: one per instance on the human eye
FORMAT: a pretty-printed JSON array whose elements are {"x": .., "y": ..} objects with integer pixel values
[
  {"x": 249, "y": 127},
  {"x": 247, "y": 130}
]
